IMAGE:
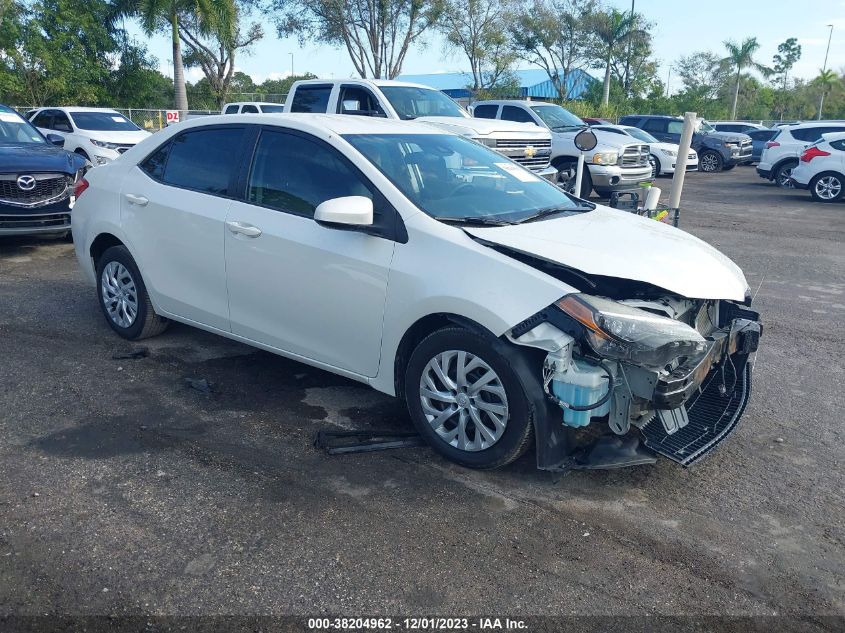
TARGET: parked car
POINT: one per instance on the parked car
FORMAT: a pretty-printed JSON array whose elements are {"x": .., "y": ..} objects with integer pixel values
[
  {"x": 821, "y": 168},
  {"x": 526, "y": 144},
  {"x": 759, "y": 138},
  {"x": 663, "y": 155},
  {"x": 717, "y": 151},
  {"x": 252, "y": 107},
  {"x": 499, "y": 307},
  {"x": 37, "y": 178},
  {"x": 100, "y": 135},
  {"x": 615, "y": 164},
  {"x": 593, "y": 121},
  {"x": 780, "y": 155},
  {"x": 743, "y": 127}
]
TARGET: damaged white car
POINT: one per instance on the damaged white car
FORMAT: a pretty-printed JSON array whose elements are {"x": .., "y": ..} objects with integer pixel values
[{"x": 504, "y": 311}]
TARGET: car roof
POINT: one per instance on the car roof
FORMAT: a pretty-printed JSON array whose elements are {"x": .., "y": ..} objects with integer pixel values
[
  {"x": 512, "y": 102},
  {"x": 240, "y": 103},
  {"x": 650, "y": 116},
  {"x": 76, "y": 109},
  {"x": 374, "y": 82},
  {"x": 332, "y": 123}
]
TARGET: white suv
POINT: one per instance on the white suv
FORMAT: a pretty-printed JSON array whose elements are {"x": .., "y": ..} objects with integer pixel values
[
  {"x": 781, "y": 154},
  {"x": 99, "y": 134},
  {"x": 821, "y": 168},
  {"x": 419, "y": 262}
]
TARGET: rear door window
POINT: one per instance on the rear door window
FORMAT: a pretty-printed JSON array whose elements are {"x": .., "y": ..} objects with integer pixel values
[
  {"x": 485, "y": 111},
  {"x": 512, "y": 113},
  {"x": 204, "y": 160},
  {"x": 655, "y": 125},
  {"x": 249, "y": 109},
  {"x": 311, "y": 98},
  {"x": 675, "y": 127},
  {"x": 232, "y": 109}
]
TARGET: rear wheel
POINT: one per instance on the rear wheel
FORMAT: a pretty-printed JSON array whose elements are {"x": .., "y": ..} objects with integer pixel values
[
  {"x": 783, "y": 174},
  {"x": 123, "y": 296},
  {"x": 710, "y": 162},
  {"x": 827, "y": 187},
  {"x": 466, "y": 399}
]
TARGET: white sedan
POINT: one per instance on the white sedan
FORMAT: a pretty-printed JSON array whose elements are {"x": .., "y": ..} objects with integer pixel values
[
  {"x": 664, "y": 156},
  {"x": 821, "y": 168},
  {"x": 430, "y": 267}
]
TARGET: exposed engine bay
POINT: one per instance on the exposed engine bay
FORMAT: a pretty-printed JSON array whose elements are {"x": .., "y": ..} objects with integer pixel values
[{"x": 676, "y": 370}]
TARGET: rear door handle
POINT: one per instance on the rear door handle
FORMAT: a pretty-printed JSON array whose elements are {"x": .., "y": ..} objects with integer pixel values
[
  {"x": 141, "y": 201},
  {"x": 241, "y": 228}
]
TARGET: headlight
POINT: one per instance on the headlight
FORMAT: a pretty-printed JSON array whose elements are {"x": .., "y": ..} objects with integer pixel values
[
  {"x": 669, "y": 152},
  {"x": 604, "y": 158},
  {"x": 103, "y": 144},
  {"x": 620, "y": 332},
  {"x": 732, "y": 145},
  {"x": 489, "y": 142}
]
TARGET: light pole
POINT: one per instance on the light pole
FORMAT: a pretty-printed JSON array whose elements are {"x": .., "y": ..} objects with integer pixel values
[
  {"x": 291, "y": 64},
  {"x": 628, "y": 55},
  {"x": 824, "y": 68}
]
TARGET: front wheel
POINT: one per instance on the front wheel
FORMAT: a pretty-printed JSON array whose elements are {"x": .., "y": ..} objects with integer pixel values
[
  {"x": 123, "y": 296},
  {"x": 783, "y": 175},
  {"x": 827, "y": 187},
  {"x": 655, "y": 166},
  {"x": 710, "y": 162},
  {"x": 566, "y": 174},
  {"x": 466, "y": 399}
]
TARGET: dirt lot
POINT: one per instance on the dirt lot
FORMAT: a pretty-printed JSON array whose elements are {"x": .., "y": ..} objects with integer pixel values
[{"x": 124, "y": 491}]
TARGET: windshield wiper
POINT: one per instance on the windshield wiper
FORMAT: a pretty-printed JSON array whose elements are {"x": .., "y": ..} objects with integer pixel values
[
  {"x": 486, "y": 221},
  {"x": 547, "y": 211}
]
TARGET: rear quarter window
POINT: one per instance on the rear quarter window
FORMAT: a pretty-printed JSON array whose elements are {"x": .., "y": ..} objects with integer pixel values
[
  {"x": 204, "y": 160},
  {"x": 311, "y": 99}
]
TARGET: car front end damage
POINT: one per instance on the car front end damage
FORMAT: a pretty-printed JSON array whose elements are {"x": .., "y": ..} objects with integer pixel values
[{"x": 662, "y": 375}]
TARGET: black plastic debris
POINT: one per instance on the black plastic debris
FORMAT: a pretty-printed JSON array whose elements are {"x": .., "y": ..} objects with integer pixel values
[
  {"x": 200, "y": 384},
  {"x": 343, "y": 442},
  {"x": 134, "y": 354}
]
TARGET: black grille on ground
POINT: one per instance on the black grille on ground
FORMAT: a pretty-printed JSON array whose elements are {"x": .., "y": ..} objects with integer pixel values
[
  {"x": 712, "y": 416},
  {"x": 46, "y": 188},
  {"x": 57, "y": 220}
]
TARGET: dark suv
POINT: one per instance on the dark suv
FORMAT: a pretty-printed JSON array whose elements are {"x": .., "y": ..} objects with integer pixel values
[
  {"x": 37, "y": 178},
  {"x": 716, "y": 150}
]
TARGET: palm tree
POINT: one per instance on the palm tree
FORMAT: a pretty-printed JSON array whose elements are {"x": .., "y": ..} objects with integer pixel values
[
  {"x": 213, "y": 16},
  {"x": 612, "y": 28},
  {"x": 826, "y": 80},
  {"x": 741, "y": 56}
]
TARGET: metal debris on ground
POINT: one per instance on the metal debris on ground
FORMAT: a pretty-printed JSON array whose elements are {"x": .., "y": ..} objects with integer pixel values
[
  {"x": 133, "y": 354},
  {"x": 342, "y": 442},
  {"x": 200, "y": 384}
]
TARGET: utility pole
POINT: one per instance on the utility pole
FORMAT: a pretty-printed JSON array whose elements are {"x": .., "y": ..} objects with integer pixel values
[
  {"x": 291, "y": 64},
  {"x": 628, "y": 56},
  {"x": 824, "y": 68},
  {"x": 668, "y": 79}
]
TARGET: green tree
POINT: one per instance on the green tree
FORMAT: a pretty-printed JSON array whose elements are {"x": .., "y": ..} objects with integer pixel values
[
  {"x": 212, "y": 16},
  {"x": 740, "y": 57},
  {"x": 136, "y": 81},
  {"x": 826, "y": 81},
  {"x": 612, "y": 30},
  {"x": 789, "y": 52},
  {"x": 276, "y": 89}
]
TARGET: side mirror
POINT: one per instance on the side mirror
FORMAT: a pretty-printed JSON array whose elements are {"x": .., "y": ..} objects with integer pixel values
[
  {"x": 348, "y": 211},
  {"x": 57, "y": 140}
]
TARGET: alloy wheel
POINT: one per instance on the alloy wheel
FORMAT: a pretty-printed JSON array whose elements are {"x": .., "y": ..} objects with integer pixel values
[
  {"x": 828, "y": 187},
  {"x": 120, "y": 295},
  {"x": 464, "y": 400},
  {"x": 709, "y": 162},
  {"x": 784, "y": 178}
]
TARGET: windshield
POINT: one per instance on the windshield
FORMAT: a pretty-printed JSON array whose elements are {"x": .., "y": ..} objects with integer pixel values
[
  {"x": 410, "y": 102},
  {"x": 557, "y": 118},
  {"x": 456, "y": 179},
  {"x": 14, "y": 130},
  {"x": 103, "y": 122},
  {"x": 704, "y": 127},
  {"x": 270, "y": 109},
  {"x": 640, "y": 134}
]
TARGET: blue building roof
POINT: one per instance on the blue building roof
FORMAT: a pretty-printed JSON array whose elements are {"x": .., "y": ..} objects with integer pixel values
[{"x": 533, "y": 82}]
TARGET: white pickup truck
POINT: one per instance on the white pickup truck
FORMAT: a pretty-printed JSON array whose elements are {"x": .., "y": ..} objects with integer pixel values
[
  {"x": 614, "y": 164},
  {"x": 528, "y": 145}
]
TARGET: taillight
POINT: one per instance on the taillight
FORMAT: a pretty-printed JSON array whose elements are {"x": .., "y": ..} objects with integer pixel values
[
  {"x": 771, "y": 144},
  {"x": 80, "y": 186},
  {"x": 811, "y": 153}
]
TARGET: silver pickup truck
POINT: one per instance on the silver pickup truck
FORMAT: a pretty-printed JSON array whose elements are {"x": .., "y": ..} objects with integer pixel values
[{"x": 528, "y": 145}]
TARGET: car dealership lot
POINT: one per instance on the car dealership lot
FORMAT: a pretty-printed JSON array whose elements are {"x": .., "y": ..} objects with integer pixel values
[{"x": 125, "y": 490}]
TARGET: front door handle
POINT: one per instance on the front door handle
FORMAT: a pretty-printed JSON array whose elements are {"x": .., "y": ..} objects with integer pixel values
[
  {"x": 141, "y": 201},
  {"x": 241, "y": 228}
]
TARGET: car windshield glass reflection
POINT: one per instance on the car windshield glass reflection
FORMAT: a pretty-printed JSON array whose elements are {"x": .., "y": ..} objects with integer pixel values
[
  {"x": 455, "y": 179},
  {"x": 557, "y": 118},
  {"x": 642, "y": 135},
  {"x": 410, "y": 102},
  {"x": 103, "y": 122},
  {"x": 15, "y": 131}
]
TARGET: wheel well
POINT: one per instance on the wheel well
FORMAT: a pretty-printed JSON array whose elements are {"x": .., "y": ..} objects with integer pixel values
[
  {"x": 563, "y": 160},
  {"x": 784, "y": 161},
  {"x": 103, "y": 242},
  {"x": 417, "y": 332}
]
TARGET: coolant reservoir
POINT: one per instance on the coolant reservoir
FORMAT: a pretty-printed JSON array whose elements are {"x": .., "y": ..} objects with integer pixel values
[{"x": 581, "y": 384}]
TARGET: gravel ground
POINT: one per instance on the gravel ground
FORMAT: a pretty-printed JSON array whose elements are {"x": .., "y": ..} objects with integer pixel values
[{"x": 123, "y": 491}]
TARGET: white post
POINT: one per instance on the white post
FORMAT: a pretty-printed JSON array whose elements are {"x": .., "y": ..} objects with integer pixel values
[
  {"x": 681, "y": 162},
  {"x": 579, "y": 173}
]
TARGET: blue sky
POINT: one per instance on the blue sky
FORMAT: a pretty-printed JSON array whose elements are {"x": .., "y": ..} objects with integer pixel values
[{"x": 681, "y": 27}]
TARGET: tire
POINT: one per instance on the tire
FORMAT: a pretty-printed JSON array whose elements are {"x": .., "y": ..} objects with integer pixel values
[
  {"x": 655, "y": 166},
  {"x": 566, "y": 179},
  {"x": 728, "y": 167},
  {"x": 489, "y": 444},
  {"x": 710, "y": 162},
  {"x": 782, "y": 174},
  {"x": 119, "y": 277},
  {"x": 828, "y": 186}
]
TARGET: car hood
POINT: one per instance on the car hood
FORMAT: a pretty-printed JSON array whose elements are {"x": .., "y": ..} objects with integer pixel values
[
  {"x": 38, "y": 157},
  {"x": 622, "y": 245},
  {"x": 728, "y": 137},
  {"x": 484, "y": 127},
  {"x": 669, "y": 147}
]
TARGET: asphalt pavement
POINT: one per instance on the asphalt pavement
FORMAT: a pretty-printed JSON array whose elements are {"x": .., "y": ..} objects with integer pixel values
[{"x": 125, "y": 490}]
